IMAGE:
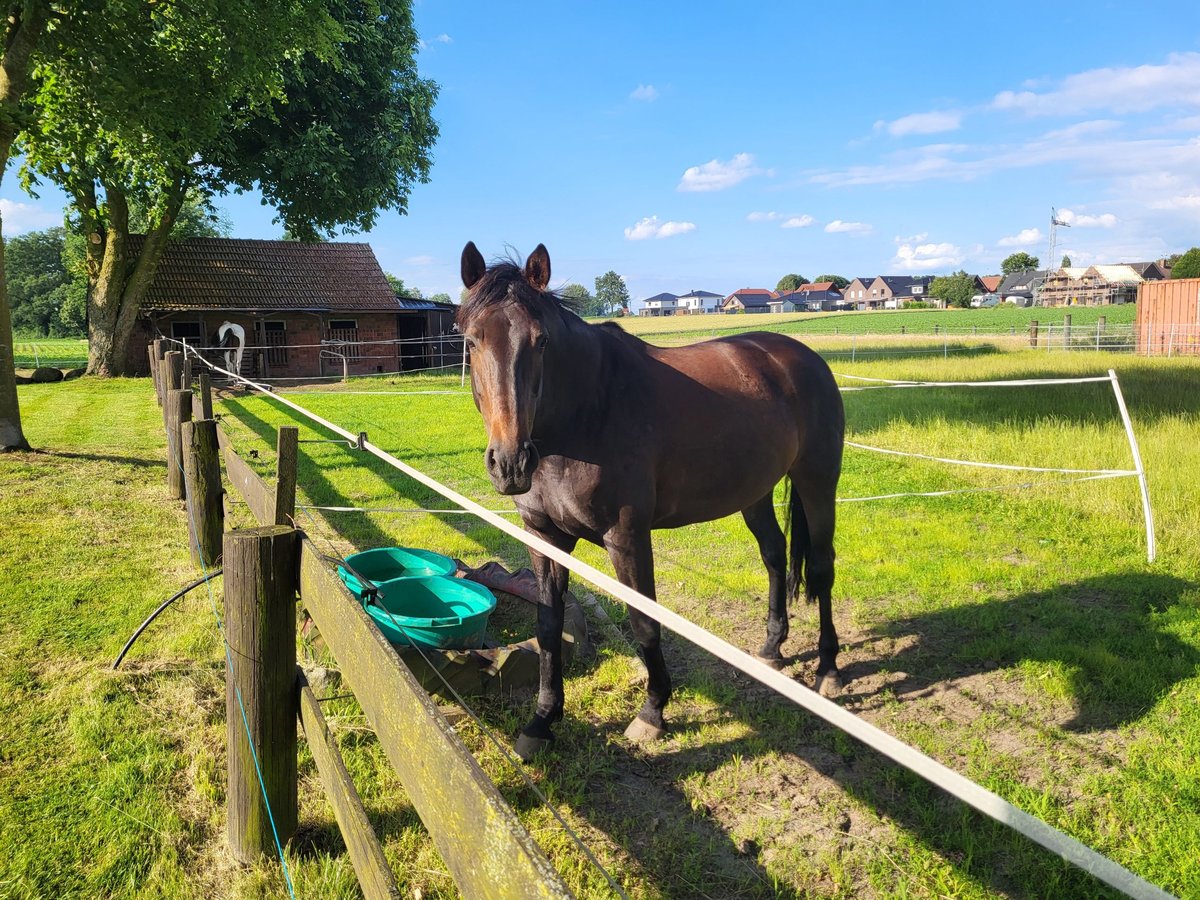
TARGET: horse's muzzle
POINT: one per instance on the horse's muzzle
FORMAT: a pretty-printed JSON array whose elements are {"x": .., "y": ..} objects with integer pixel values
[{"x": 512, "y": 471}]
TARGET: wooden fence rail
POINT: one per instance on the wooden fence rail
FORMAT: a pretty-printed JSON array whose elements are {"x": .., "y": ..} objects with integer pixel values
[{"x": 485, "y": 847}]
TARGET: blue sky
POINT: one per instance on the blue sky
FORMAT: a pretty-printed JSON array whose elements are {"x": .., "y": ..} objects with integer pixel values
[{"x": 719, "y": 146}]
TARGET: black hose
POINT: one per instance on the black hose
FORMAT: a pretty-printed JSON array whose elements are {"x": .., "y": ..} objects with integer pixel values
[{"x": 154, "y": 615}]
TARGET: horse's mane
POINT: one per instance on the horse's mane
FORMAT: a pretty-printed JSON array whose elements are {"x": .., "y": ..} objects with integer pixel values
[{"x": 504, "y": 282}]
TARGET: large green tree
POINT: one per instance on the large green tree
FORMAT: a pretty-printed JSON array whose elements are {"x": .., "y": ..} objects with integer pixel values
[
  {"x": 954, "y": 290},
  {"x": 25, "y": 27},
  {"x": 1187, "y": 265},
  {"x": 1018, "y": 262},
  {"x": 611, "y": 293},
  {"x": 790, "y": 282},
  {"x": 580, "y": 299},
  {"x": 316, "y": 103},
  {"x": 38, "y": 282}
]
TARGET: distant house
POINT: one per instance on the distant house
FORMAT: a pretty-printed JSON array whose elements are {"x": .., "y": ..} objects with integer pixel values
[
  {"x": 1152, "y": 271},
  {"x": 990, "y": 283},
  {"x": 1024, "y": 286},
  {"x": 857, "y": 291},
  {"x": 700, "y": 302},
  {"x": 308, "y": 310},
  {"x": 1091, "y": 286},
  {"x": 748, "y": 300},
  {"x": 660, "y": 305},
  {"x": 788, "y": 302},
  {"x": 890, "y": 291}
]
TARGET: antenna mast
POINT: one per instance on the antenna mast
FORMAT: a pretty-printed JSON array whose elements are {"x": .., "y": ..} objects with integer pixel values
[{"x": 1055, "y": 221}]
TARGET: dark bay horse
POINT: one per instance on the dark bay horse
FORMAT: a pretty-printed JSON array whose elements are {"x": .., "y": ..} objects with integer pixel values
[{"x": 602, "y": 437}]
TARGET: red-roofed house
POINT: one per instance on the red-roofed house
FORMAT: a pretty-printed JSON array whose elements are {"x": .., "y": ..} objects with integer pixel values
[{"x": 303, "y": 307}]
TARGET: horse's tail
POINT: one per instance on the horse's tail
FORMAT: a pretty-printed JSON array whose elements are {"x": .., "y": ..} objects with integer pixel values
[{"x": 799, "y": 540}]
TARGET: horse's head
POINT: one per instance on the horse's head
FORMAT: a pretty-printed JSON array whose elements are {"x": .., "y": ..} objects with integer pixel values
[{"x": 508, "y": 321}]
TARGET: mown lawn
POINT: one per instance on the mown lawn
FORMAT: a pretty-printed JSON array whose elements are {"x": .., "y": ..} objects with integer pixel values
[{"x": 1018, "y": 636}]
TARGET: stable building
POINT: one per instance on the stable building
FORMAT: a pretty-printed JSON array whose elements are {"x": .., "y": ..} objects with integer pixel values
[{"x": 307, "y": 310}]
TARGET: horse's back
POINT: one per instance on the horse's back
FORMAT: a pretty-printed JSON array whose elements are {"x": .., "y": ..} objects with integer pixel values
[{"x": 734, "y": 415}]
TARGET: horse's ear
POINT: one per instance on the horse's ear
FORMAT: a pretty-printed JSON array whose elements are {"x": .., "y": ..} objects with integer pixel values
[
  {"x": 473, "y": 266},
  {"x": 537, "y": 268}
]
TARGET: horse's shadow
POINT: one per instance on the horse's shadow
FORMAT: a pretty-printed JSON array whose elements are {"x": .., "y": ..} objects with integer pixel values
[{"x": 1109, "y": 633}]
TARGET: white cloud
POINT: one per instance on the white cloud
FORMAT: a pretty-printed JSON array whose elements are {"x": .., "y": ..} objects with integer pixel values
[
  {"x": 647, "y": 92},
  {"x": 1024, "y": 238},
  {"x": 763, "y": 216},
  {"x": 420, "y": 261},
  {"x": 1183, "y": 201},
  {"x": 444, "y": 38},
  {"x": 925, "y": 257},
  {"x": 19, "y": 217},
  {"x": 798, "y": 222},
  {"x": 922, "y": 123},
  {"x": 1121, "y": 89},
  {"x": 1105, "y": 220},
  {"x": 715, "y": 175},
  {"x": 650, "y": 227},
  {"x": 837, "y": 226}
]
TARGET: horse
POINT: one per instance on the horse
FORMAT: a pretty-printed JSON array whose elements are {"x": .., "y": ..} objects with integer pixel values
[
  {"x": 599, "y": 436},
  {"x": 232, "y": 338}
]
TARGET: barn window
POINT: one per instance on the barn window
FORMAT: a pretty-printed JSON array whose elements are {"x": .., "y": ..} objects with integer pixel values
[
  {"x": 345, "y": 331},
  {"x": 275, "y": 337},
  {"x": 186, "y": 331}
]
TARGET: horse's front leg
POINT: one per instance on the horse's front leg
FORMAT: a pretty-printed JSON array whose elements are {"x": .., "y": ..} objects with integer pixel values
[
  {"x": 632, "y": 556},
  {"x": 552, "y": 584}
]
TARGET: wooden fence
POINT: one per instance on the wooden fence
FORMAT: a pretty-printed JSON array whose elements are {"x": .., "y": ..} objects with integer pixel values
[{"x": 487, "y": 850}]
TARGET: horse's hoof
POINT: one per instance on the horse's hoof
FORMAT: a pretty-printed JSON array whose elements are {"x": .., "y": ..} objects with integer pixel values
[
  {"x": 829, "y": 684},
  {"x": 775, "y": 662},
  {"x": 528, "y": 747},
  {"x": 640, "y": 731}
]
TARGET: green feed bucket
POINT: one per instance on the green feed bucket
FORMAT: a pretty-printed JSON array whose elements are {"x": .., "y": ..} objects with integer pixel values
[
  {"x": 389, "y": 563},
  {"x": 432, "y": 610}
]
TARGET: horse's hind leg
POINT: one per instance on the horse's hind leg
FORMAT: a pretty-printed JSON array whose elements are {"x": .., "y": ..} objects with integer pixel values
[
  {"x": 819, "y": 502},
  {"x": 763, "y": 524}
]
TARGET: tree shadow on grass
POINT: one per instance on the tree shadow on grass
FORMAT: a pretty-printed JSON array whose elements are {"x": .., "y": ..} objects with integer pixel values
[
  {"x": 1105, "y": 635},
  {"x": 360, "y": 529},
  {"x": 1151, "y": 393}
]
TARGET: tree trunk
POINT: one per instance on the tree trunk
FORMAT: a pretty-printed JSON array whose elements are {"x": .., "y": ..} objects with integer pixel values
[
  {"x": 116, "y": 289},
  {"x": 26, "y": 24}
]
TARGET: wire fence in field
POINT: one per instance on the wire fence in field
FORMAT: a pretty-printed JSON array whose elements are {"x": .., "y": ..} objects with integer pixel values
[{"x": 55, "y": 353}]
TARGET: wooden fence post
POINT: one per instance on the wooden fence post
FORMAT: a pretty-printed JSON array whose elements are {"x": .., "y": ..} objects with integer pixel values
[
  {"x": 204, "y": 390},
  {"x": 1067, "y": 331},
  {"x": 285, "y": 474},
  {"x": 185, "y": 375},
  {"x": 202, "y": 483},
  {"x": 1033, "y": 334},
  {"x": 170, "y": 369},
  {"x": 157, "y": 348},
  {"x": 260, "y": 687},
  {"x": 178, "y": 410}
]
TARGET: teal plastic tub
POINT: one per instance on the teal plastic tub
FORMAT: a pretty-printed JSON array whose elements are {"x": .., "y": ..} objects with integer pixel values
[
  {"x": 389, "y": 563},
  {"x": 432, "y": 610}
]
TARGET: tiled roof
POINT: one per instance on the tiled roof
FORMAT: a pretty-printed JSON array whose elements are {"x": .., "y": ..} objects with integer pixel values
[
  {"x": 816, "y": 286},
  {"x": 664, "y": 297},
  {"x": 237, "y": 274},
  {"x": 701, "y": 294},
  {"x": 991, "y": 283}
]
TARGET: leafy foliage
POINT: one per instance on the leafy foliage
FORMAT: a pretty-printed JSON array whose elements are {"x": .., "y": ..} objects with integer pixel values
[
  {"x": 1187, "y": 265},
  {"x": 400, "y": 289},
  {"x": 38, "y": 283},
  {"x": 611, "y": 293},
  {"x": 790, "y": 282},
  {"x": 1066, "y": 261},
  {"x": 954, "y": 290},
  {"x": 1018, "y": 262},
  {"x": 580, "y": 299},
  {"x": 839, "y": 281}
]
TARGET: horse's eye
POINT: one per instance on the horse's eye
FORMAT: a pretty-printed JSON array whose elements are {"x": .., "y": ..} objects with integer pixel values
[{"x": 541, "y": 342}]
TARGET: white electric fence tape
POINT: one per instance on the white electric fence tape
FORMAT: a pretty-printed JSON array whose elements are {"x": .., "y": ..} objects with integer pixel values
[{"x": 947, "y": 779}]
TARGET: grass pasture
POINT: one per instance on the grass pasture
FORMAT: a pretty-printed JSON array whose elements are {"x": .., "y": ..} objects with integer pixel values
[
  {"x": 62, "y": 353},
  {"x": 1017, "y": 635}
]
